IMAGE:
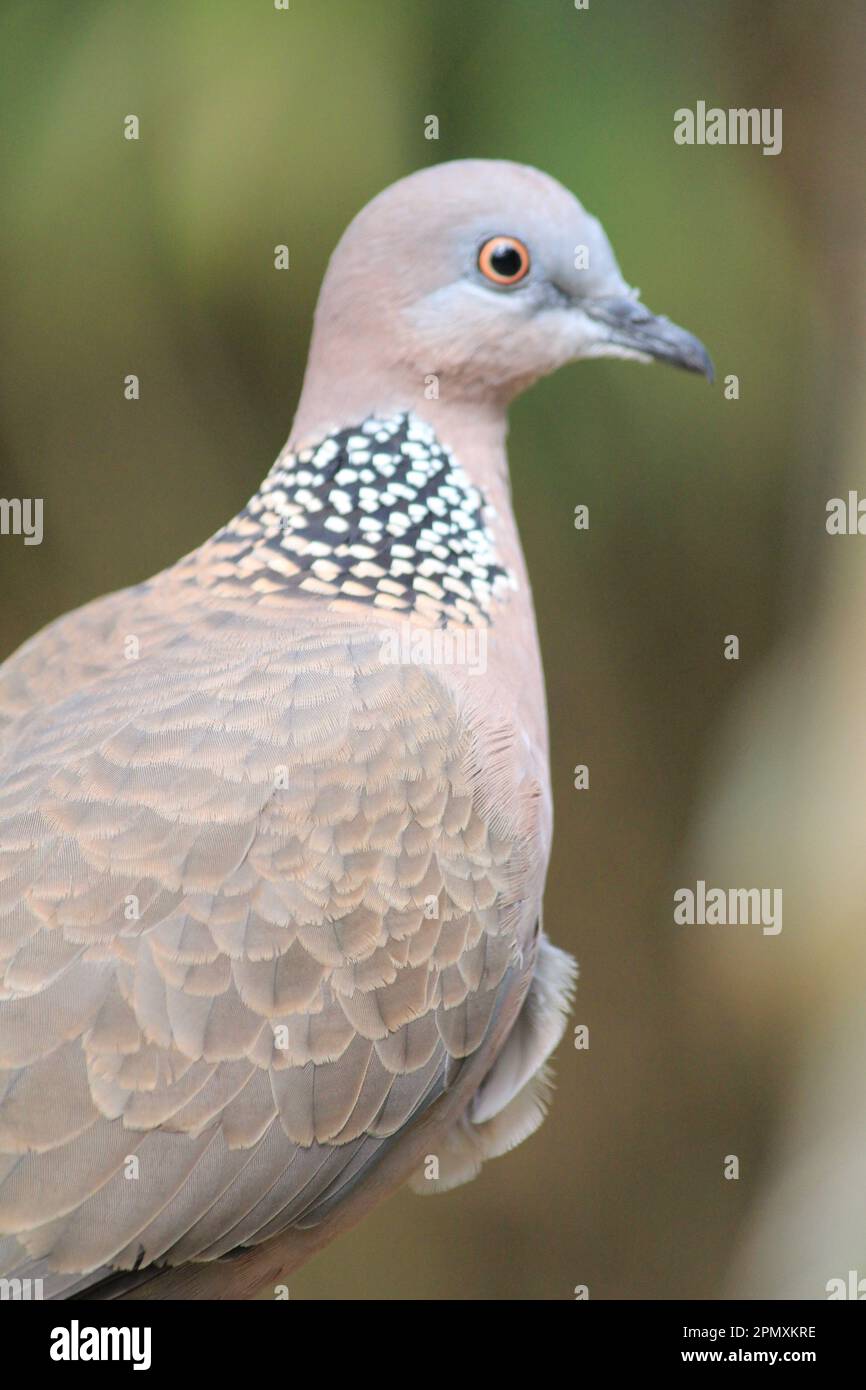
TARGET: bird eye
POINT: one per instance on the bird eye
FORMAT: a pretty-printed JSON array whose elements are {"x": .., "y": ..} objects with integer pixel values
[{"x": 503, "y": 260}]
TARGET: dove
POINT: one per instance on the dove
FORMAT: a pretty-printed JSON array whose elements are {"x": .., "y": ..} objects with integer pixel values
[{"x": 275, "y": 824}]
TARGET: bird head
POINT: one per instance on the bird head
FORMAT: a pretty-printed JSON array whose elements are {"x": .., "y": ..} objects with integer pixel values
[{"x": 482, "y": 275}]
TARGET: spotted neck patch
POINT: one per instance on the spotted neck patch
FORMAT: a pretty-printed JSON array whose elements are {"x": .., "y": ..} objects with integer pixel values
[{"x": 380, "y": 513}]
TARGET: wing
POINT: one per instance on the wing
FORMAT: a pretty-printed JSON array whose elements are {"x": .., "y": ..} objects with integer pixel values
[{"x": 256, "y": 903}]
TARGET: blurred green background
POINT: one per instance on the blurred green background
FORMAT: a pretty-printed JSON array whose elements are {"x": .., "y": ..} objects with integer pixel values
[{"x": 155, "y": 257}]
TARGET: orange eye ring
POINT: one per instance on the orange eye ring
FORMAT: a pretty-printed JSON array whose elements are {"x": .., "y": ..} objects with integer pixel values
[{"x": 503, "y": 260}]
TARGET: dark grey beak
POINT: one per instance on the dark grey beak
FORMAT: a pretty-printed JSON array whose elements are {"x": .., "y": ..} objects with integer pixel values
[{"x": 631, "y": 325}]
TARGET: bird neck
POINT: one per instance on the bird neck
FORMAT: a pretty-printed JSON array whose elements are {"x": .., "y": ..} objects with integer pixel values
[{"x": 380, "y": 512}]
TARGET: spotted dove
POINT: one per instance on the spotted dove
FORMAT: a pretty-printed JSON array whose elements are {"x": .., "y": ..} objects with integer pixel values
[{"x": 274, "y": 825}]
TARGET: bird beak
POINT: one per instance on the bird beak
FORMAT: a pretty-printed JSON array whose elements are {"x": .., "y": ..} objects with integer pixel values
[{"x": 630, "y": 325}]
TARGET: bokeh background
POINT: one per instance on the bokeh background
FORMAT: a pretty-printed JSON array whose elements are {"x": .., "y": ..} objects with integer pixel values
[{"x": 155, "y": 257}]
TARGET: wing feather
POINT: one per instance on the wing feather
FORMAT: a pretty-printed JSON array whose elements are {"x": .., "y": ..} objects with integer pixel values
[{"x": 255, "y": 905}]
